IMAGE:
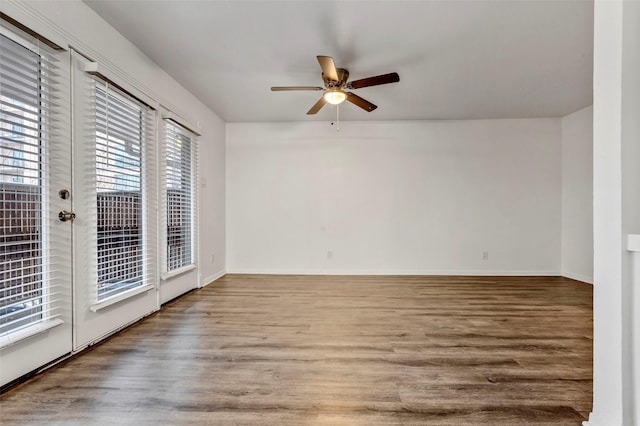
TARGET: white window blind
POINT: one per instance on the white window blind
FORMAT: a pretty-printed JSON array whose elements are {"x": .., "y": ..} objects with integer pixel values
[
  {"x": 122, "y": 128},
  {"x": 179, "y": 196},
  {"x": 28, "y": 101}
]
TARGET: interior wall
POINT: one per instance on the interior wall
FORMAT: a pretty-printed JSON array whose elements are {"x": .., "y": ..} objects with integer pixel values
[
  {"x": 91, "y": 35},
  {"x": 212, "y": 237},
  {"x": 577, "y": 195},
  {"x": 630, "y": 153},
  {"x": 610, "y": 325},
  {"x": 394, "y": 197}
]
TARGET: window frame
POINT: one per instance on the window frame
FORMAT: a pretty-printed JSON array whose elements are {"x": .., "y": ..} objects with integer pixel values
[
  {"x": 43, "y": 310},
  {"x": 102, "y": 86},
  {"x": 171, "y": 129}
]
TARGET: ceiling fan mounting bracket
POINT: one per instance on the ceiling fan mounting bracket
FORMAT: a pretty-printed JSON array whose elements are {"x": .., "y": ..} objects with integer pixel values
[{"x": 343, "y": 76}]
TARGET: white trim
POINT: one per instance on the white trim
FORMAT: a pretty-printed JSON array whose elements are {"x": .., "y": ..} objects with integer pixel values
[
  {"x": 120, "y": 297},
  {"x": 578, "y": 277},
  {"x": 390, "y": 272},
  {"x": 15, "y": 37},
  {"x": 34, "y": 21},
  {"x": 184, "y": 269},
  {"x": 112, "y": 332},
  {"x": 25, "y": 333},
  {"x": 94, "y": 68},
  {"x": 211, "y": 278},
  {"x": 633, "y": 242},
  {"x": 595, "y": 420},
  {"x": 180, "y": 121}
]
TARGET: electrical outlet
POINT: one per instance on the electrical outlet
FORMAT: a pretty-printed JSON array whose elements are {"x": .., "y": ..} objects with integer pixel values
[
  {"x": 330, "y": 254},
  {"x": 485, "y": 255}
]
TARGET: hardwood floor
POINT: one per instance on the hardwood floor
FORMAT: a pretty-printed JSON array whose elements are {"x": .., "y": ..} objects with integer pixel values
[{"x": 338, "y": 350}]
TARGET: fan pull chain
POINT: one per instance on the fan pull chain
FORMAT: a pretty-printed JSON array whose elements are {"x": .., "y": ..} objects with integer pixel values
[{"x": 338, "y": 118}]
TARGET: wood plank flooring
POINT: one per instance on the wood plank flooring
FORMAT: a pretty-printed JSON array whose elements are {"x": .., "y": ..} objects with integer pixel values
[{"x": 337, "y": 350}]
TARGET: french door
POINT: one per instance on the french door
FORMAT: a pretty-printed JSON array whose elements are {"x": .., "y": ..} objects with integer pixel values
[
  {"x": 115, "y": 277},
  {"x": 35, "y": 192},
  {"x": 77, "y": 214}
]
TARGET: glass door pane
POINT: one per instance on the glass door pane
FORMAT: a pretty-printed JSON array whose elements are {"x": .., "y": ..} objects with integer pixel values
[
  {"x": 35, "y": 247},
  {"x": 119, "y": 136}
]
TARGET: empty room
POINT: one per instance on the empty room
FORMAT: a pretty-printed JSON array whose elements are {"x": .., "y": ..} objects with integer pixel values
[{"x": 319, "y": 212}]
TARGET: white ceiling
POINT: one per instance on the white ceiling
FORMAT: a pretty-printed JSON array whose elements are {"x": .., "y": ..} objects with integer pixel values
[{"x": 456, "y": 59}]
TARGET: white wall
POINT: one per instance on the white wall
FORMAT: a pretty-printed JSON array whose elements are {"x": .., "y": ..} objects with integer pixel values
[
  {"x": 394, "y": 197},
  {"x": 616, "y": 213},
  {"x": 630, "y": 153},
  {"x": 212, "y": 238},
  {"x": 79, "y": 26},
  {"x": 577, "y": 195}
]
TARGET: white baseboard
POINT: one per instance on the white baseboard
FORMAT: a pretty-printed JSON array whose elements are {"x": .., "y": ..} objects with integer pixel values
[
  {"x": 578, "y": 277},
  {"x": 208, "y": 280},
  {"x": 595, "y": 420},
  {"x": 268, "y": 271}
]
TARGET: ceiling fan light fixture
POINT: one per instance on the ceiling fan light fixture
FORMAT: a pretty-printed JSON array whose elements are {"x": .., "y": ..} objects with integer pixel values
[
  {"x": 335, "y": 81},
  {"x": 335, "y": 97}
]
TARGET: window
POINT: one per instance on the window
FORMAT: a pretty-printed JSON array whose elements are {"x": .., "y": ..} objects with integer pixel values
[
  {"x": 26, "y": 97},
  {"x": 120, "y": 132},
  {"x": 179, "y": 196}
]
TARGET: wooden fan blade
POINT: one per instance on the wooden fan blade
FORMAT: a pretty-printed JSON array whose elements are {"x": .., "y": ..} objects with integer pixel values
[
  {"x": 375, "y": 81},
  {"x": 362, "y": 103},
  {"x": 286, "y": 88},
  {"x": 317, "y": 106},
  {"x": 328, "y": 67}
]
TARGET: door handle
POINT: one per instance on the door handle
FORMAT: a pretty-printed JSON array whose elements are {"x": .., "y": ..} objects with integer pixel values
[{"x": 65, "y": 216}]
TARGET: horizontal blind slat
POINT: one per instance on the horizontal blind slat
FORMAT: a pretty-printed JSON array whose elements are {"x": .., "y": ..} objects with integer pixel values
[
  {"x": 119, "y": 129},
  {"x": 28, "y": 102},
  {"x": 178, "y": 196}
]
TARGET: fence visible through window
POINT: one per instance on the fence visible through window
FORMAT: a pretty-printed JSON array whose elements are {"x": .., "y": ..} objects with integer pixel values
[
  {"x": 21, "y": 283},
  {"x": 119, "y": 132},
  {"x": 24, "y": 115},
  {"x": 178, "y": 176}
]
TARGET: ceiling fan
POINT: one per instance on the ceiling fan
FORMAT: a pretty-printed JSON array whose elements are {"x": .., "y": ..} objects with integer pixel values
[{"x": 335, "y": 83}]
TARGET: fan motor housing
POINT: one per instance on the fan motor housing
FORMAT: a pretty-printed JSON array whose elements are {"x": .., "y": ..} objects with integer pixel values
[{"x": 343, "y": 76}]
